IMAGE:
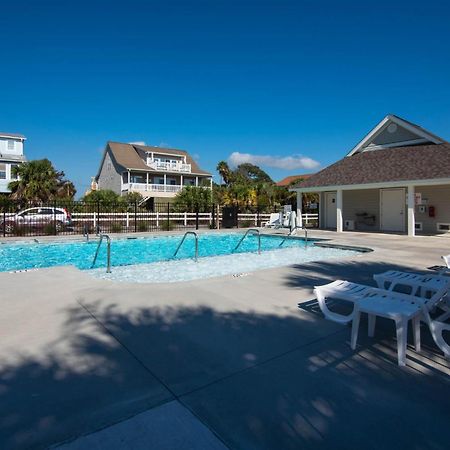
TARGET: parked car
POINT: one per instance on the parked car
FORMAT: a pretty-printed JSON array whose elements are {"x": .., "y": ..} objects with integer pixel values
[{"x": 35, "y": 218}]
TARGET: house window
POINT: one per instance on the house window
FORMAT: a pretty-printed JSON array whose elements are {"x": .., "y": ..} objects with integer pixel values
[
  {"x": 13, "y": 176},
  {"x": 109, "y": 165},
  {"x": 2, "y": 171},
  {"x": 11, "y": 145}
]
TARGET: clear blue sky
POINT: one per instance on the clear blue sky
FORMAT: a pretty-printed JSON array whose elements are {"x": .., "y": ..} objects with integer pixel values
[{"x": 271, "y": 78}]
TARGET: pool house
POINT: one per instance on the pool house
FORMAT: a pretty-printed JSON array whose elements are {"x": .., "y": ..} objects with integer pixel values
[{"x": 396, "y": 179}]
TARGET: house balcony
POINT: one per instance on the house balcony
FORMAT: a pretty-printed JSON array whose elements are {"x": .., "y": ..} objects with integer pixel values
[{"x": 169, "y": 166}]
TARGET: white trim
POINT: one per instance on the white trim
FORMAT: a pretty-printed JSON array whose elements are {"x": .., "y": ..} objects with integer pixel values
[
  {"x": 371, "y": 147},
  {"x": 8, "y": 136},
  {"x": 380, "y": 127},
  {"x": 387, "y": 184}
]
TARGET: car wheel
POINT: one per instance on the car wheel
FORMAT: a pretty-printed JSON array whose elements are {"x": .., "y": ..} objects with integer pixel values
[{"x": 9, "y": 227}]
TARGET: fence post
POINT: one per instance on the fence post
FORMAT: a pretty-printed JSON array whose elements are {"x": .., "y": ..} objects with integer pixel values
[
  {"x": 97, "y": 231},
  {"x": 185, "y": 218},
  {"x": 196, "y": 219},
  {"x": 54, "y": 218},
  {"x": 135, "y": 217},
  {"x": 128, "y": 219},
  {"x": 258, "y": 219},
  {"x": 4, "y": 222},
  {"x": 157, "y": 220},
  {"x": 213, "y": 217},
  {"x": 168, "y": 216}
]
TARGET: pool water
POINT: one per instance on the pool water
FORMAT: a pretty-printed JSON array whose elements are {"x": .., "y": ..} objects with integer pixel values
[{"x": 23, "y": 256}]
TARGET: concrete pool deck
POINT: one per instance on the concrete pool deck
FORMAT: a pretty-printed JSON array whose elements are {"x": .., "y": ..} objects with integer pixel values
[{"x": 229, "y": 362}]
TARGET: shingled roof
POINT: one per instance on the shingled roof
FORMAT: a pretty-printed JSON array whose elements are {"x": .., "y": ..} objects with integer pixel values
[
  {"x": 133, "y": 156},
  {"x": 420, "y": 162}
]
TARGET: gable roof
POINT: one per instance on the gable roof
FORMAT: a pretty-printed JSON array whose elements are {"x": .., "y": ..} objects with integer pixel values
[
  {"x": 419, "y": 162},
  {"x": 287, "y": 181},
  {"x": 417, "y": 135},
  {"x": 13, "y": 135},
  {"x": 132, "y": 156}
]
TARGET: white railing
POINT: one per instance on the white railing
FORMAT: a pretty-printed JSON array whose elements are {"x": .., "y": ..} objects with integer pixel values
[
  {"x": 169, "y": 166},
  {"x": 183, "y": 218},
  {"x": 143, "y": 187}
]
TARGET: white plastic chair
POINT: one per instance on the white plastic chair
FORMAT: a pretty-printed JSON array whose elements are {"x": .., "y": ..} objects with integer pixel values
[{"x": 274, "y": 221}]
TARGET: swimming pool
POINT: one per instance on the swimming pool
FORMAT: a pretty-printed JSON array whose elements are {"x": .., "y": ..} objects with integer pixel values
[{"x": 216, "y": 256}]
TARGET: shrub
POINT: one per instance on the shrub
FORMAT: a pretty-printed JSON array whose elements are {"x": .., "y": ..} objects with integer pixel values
[
  {"x": 167, "y": 225},
  {"x": 246, "y": 223},
  {"x": 142, "y": 226},
  {"x": 116, "y": 227}
]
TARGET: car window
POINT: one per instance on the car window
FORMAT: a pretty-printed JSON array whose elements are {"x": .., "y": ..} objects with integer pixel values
[
  {"x": 46, "y": 211},
  {"x": 29, "y": 212}
]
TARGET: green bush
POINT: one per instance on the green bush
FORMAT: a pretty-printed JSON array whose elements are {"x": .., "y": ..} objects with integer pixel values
[
  {"x": 116, "y": 227},
  {"x": 167, "y": 225},
  {"x": 142, "y": 226},
  {"x": 246, "y": 223}
]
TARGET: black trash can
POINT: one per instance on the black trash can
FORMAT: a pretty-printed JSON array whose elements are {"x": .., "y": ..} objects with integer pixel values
[{"x": 229, "y": 217}]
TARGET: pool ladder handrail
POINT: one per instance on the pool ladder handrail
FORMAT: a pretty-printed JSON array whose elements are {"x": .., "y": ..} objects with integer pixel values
[
  {"x": 292, "y": 232},
  {"x": 250, "y": 230},
  {"x": 181, "y": 243},
  {"x": 108, "y": 252}
]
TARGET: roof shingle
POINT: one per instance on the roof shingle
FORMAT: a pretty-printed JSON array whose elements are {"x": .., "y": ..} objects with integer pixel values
[{"x": 421, "y": 162}]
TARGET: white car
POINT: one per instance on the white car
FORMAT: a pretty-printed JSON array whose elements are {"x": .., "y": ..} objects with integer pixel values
[{"x": 35, "y": 218}]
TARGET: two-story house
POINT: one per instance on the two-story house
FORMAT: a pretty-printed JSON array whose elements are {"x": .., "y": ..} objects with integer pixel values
[
  {"x": 152, "y": 171},
  {"x": 11, "y": 154}
]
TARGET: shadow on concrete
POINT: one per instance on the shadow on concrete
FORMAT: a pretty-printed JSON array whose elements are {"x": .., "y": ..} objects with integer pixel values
[{"x": 228, "y": 366}]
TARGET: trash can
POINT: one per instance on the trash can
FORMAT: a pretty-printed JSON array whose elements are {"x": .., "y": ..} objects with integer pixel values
[{"x": 229, "y": 217}]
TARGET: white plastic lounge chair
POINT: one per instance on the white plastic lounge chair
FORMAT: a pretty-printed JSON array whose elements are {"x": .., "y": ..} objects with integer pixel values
[
  {"x": 401, "y": 310},
  {"x": 274, "y": 221},
  {"x": 403, "y": 307},
  {"x": 423, "y": 286}
]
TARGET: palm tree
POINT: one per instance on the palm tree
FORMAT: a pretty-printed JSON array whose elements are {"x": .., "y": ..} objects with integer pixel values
[
  {"x": 224, "y": 171},
  {"x": 38, "y": 181}
]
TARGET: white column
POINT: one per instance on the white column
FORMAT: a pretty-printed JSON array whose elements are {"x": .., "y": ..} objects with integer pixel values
[
  {"x": 165, "y": 182},
  {"x": 299, "y": 209},
  {"x": 147, "y": 181},
  {"x": 196, "y": 181},
  {"x": 211, "y": 183},
  {"x": 339, "y": 221},
  {"x": 411, "y": 212},
  {"x": 181, "y": 181}
]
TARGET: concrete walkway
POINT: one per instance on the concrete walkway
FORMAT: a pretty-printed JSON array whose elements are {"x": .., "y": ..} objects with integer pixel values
[{"x": 229, "y": 362}]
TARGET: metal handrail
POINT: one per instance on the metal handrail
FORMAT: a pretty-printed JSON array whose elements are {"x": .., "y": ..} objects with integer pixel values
[
  {"x": 108, "y": 252},
  {"x": 250, "y": 230},
  {"x": 181, "y": 243},
  {"x": 292, "y": 232}
]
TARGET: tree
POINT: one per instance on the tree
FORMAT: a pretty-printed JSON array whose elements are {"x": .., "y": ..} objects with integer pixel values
[
  {"x": 131, "y": 197},
  {"x": 38, "y": 181},
  {"x": 252, "y": 173},
  {"x": 103, "y": 196},
  {"x": 224, "y": 171},
  {"x": 192, "y": 198}
]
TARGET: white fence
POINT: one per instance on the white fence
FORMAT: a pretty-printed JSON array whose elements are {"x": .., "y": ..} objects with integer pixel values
[{"x": 128, "y": 219}]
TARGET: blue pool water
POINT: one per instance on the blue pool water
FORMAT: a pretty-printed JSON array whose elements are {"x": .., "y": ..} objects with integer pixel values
[{"x": 125, "y": 252}]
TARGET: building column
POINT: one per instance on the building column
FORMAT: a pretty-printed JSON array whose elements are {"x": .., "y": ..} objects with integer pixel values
[
  {"x": 411, "y": 211},
  {"x": 129, "y": 178},
  {"x": 147, "y": 178},
  {"x": 339, "y": 220},
  {"x": 299, "y": 209},
  {"x": 181, "y": 181},
  {"x": 165, "y": 182},
  {"x": 196, "y": 181}
]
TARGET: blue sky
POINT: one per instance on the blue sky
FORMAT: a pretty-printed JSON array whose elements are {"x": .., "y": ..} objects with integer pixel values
[{"x": 299, "y": 79}]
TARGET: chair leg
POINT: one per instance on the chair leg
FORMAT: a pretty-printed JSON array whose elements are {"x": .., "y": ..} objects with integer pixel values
[
  {"x": 372, "y": 321},
  {"x": 416, "y": 332},
  {"x": 402, "y": 330},
  {"x": 355, "y": 328}
]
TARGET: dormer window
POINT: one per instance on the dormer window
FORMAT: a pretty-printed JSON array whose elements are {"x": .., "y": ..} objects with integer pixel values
[{"x": 11, "y": 144}]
